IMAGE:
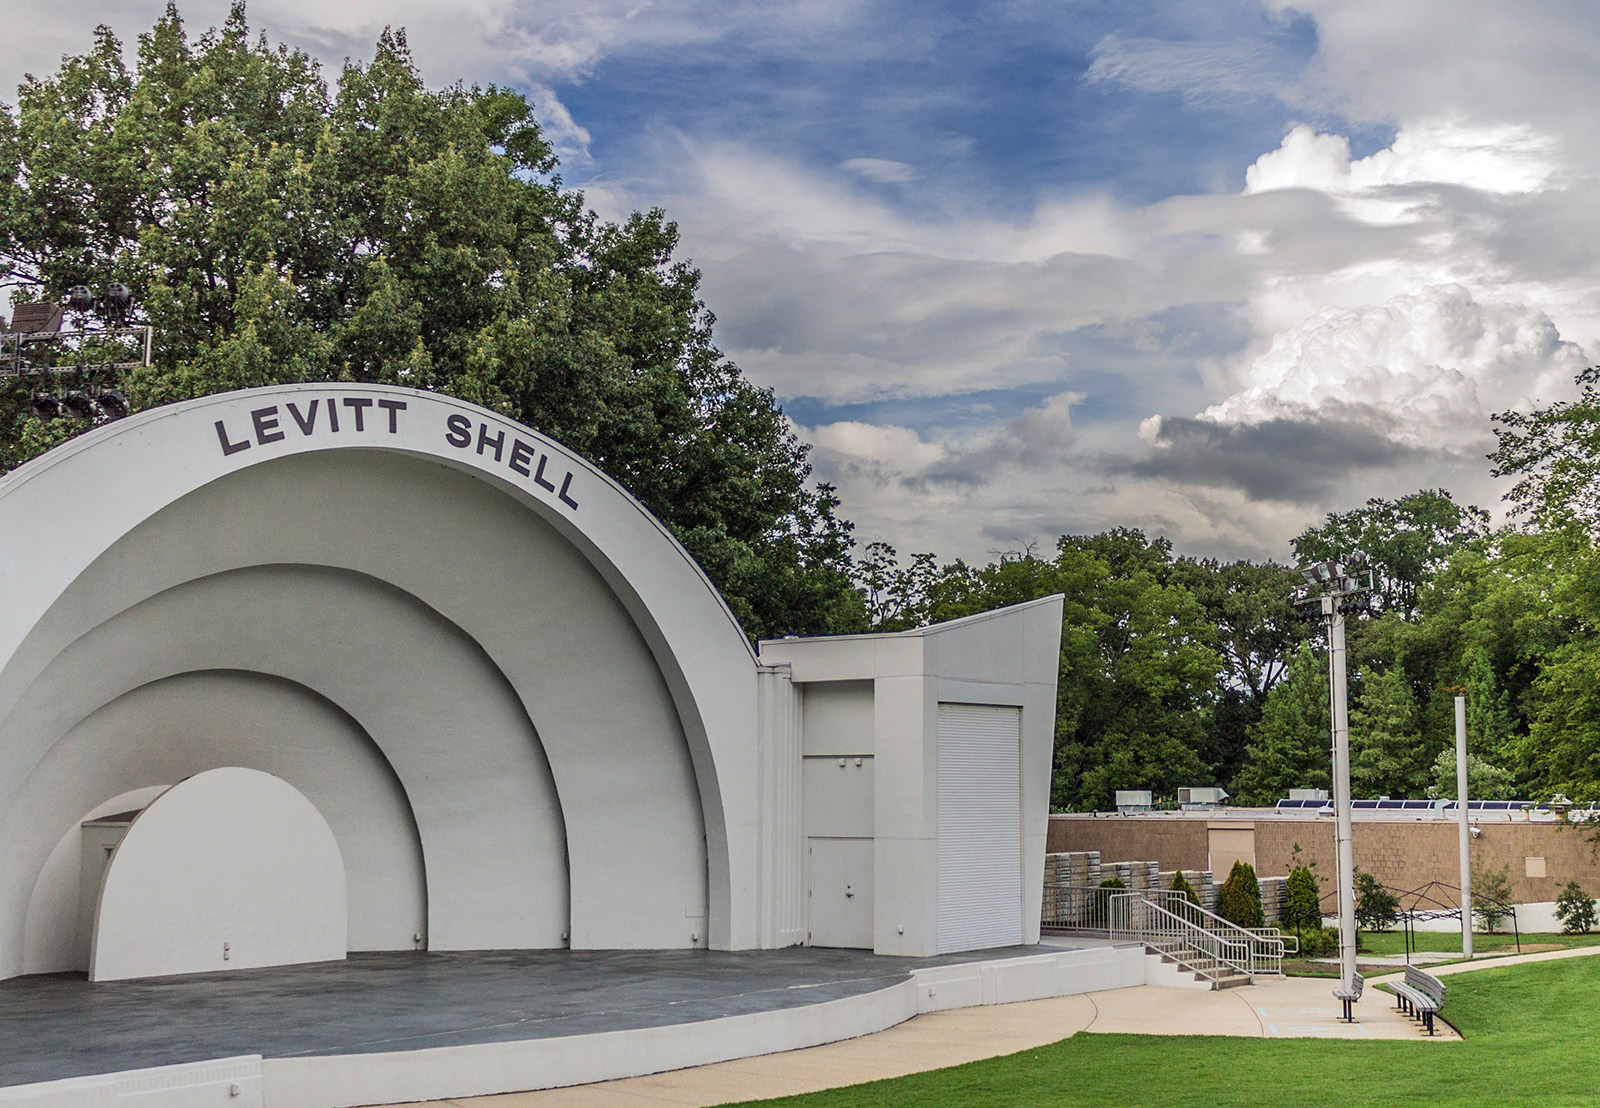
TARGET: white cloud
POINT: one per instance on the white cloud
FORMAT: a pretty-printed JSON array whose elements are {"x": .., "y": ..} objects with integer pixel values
[
  {"x": 881, "y": 170},
  {"x": 1495, "y": 158},
  {"x": 1200, "y": 71},
  {"x": 1438, "y": 361}
]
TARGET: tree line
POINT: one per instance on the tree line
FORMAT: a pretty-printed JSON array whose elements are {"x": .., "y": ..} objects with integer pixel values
[{"x": 275, "y": 226}]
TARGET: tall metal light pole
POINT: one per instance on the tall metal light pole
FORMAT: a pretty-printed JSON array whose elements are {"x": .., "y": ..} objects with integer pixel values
[
  {"x": 1465, "y": 828},
  {"x": 1329, "y": 585}
]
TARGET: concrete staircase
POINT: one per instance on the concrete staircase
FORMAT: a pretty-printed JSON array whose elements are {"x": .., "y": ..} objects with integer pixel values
[{"x": 1185, "y": 968}]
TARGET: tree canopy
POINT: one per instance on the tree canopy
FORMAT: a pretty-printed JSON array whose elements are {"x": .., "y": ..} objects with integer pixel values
[{"x": 274, "y": 228}]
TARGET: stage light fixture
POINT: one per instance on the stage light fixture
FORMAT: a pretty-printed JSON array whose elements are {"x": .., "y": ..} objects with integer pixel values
[
  {"x": 45, "y": 406},
  {"x": 118, "y": 300},
  {"x": 112, "y": 402},
  {"x": 79, "y": 404},
  {"x": 80, "y": 299}
]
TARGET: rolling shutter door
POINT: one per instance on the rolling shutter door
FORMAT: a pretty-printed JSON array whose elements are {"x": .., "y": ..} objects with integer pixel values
[{"x": 980, "y": 826}]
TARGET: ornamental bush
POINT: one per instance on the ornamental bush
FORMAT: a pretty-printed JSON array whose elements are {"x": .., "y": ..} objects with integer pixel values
[
  {"x": 1319, "y": 942},
  {"x": 1240, "y": 899},
  {"x": 1103, "y": 899},
  {"x": 1377, "y": 908},
  {"x": 1302, "y": 910},
  {"x": 1575, "y": 909},
  {"x": 1491, "y": 897},
  {"x": 1181, "y": 885}
]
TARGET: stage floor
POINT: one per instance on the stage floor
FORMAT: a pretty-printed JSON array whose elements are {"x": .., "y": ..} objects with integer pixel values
[{"x": 58, "y": 1025}]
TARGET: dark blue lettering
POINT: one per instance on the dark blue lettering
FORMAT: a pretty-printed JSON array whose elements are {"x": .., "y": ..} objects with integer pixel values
[
  {"x": 266, "y": 424},
  {"x": 307, "y": 422},
  {"x": 229, "y": 447},
  {"x": 394, "y": 408},
  {"x": 358, "y": 404},
  {"x": 538, "y": 474}
]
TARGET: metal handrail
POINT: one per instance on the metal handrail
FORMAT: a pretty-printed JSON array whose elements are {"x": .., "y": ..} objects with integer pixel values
[{"x": 1170, "y": 923}]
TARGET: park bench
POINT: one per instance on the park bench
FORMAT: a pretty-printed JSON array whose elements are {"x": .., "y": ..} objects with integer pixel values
[
  {"x": 1349, "y": 996},
  {"x": 1420, "y": 994}
]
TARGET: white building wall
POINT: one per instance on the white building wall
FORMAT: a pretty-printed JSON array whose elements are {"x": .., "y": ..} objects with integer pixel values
[{"x": 1007, "y": 657}]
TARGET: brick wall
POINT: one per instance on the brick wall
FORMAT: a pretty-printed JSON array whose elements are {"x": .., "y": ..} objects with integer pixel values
[
  {"x": 1403, "y": 855},
  {"x": 1175, "y": 843}
]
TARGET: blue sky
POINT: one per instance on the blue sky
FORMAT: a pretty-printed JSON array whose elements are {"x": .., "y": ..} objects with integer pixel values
[{"x": 1020, "y": 269}]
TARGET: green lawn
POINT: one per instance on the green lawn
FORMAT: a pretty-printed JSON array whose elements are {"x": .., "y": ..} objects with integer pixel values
[
  {"x": 1394, "y": 942},
  {"x": 1530, "y": 1039}
]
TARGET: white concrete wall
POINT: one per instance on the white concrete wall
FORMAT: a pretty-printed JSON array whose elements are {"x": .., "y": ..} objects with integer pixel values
[
  {"x": 1006, "y": 657},
  {"x": 231, "y": 869},
  {"x": 617, "y": 665}
]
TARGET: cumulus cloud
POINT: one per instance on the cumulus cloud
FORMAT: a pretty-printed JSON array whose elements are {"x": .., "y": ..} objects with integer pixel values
[
  {"x": 1403, "y": 386},
  {"x": 1435, "y": 359},
  {"x": 1500, "y": 158}
]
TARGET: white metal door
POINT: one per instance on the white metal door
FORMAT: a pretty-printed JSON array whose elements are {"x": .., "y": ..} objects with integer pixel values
[
  {"x": 841, "y": 892},
  {"x": 980, "y": 826}
]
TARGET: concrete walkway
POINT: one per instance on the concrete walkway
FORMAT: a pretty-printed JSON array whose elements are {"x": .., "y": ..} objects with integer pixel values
[{"x": 1292, "y": 1007}]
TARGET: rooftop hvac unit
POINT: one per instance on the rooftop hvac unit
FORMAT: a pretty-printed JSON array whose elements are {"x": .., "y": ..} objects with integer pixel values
[
  {"x": 1202, "y": 798},
  {"x": 1308, "y": 794},
  {"x": 1133, "y": 800}
]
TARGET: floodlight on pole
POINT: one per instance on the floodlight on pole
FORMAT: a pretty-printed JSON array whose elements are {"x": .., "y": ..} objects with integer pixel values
[{"x": 1330, "y": 586}]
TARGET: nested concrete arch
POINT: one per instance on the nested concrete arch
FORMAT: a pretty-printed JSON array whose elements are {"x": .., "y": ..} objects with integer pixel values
[
  {"x": 175, "y": 727},
  {"x": 600, "y": 623},
  {"x": 456, "y": 736}
]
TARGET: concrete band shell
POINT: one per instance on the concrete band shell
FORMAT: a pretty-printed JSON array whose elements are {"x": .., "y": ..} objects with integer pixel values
[{"x": 538, "y": 698}]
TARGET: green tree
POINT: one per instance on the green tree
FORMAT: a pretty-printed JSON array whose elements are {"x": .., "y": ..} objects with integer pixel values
[
  {"x": 1239, "y": 900},
  {"x": 1387, "y": 755},
  {"x": 1491, "y": 897},
  {"x": 1289, "y": 747},
  {"x": 1180, "y": 885},
  {"x": 276, "y": 230},
  {"x": 1485, "y": 780},
  {"x": 1257, "y": 632},
  {"x": 1302, "y": 901},
  {"x": 1575, "y": 909},
  {"x": 1554, "y": 452},
  {"x": 1377, "y": 909},
  {"x": 1406, "y": 540}
]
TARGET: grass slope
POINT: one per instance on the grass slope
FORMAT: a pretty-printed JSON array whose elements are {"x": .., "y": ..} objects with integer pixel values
[{"x": 1530, "y": 1039}]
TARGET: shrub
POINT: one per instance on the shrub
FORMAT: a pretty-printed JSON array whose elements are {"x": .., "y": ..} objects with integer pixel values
[
  {"x": 1240, "y": 899},
  {"x": 1491, "y": 897},
  {"x": 1181, "y": 885},
  {"x": 1575, "y": 909},
  {"x": 1376, "y": 907},
  {"x": 1102, "y": 899},
  {"x": 1302, "y": 908},
  {"x": 1320, "y": 942}
]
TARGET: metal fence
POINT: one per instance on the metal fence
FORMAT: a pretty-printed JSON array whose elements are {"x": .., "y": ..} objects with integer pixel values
[{"x": 1168, "y": 923}]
